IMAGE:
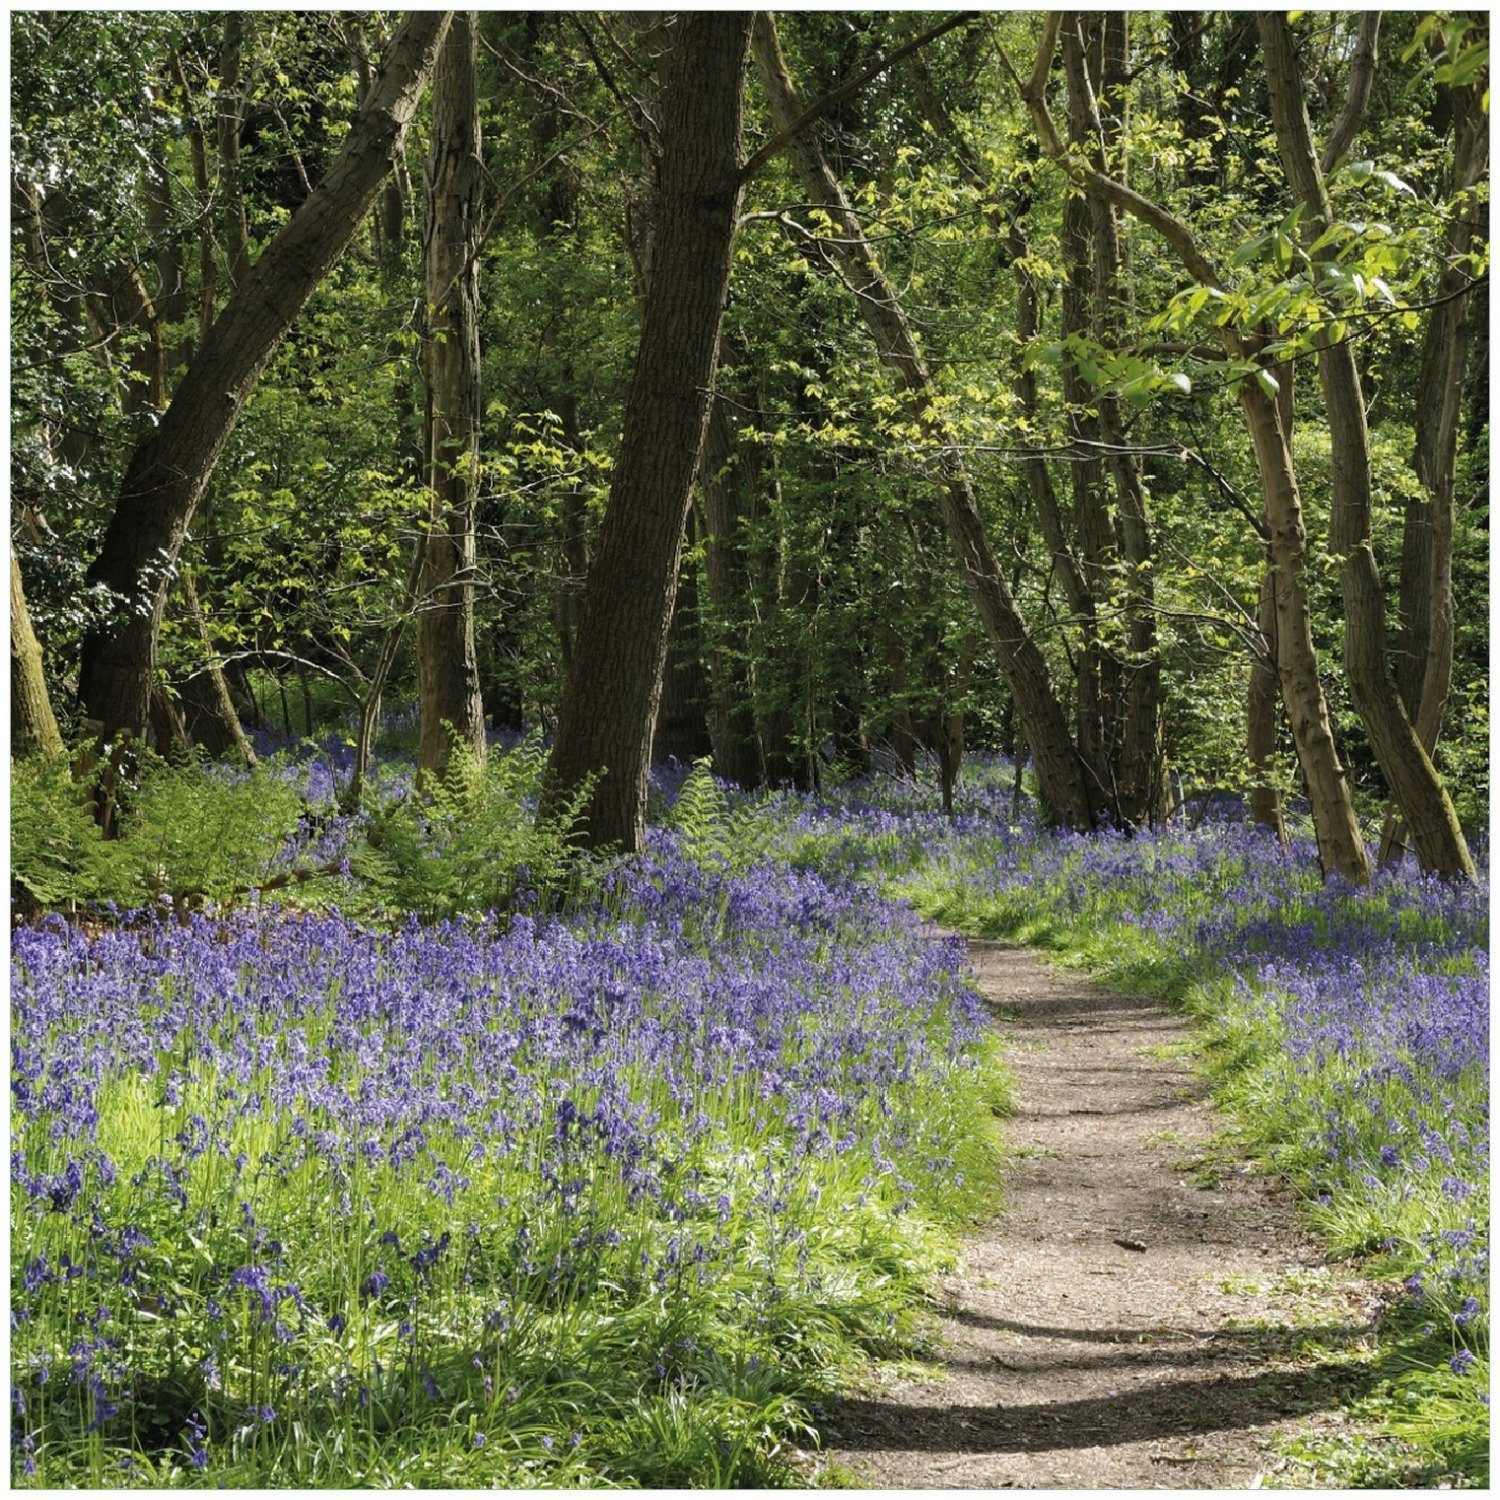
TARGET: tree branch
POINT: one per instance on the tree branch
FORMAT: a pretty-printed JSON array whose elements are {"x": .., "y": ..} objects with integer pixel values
[
  {"x": 1357, "y": 100},
  {"x": 820, "y": 107}
]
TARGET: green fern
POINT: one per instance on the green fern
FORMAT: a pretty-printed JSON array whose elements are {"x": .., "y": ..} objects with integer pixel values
[{"x": 713, "y": 830}]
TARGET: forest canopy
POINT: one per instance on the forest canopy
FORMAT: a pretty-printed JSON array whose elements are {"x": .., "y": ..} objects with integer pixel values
[{"x": 1111, "y": 389}]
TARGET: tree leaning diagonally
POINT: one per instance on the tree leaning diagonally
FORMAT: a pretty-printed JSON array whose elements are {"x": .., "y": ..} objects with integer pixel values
[
  {"x": 1404, "y": 762},
  {"x": 168, "y": 471},
  {"x": 608, "y": 709},
  {"x": 1060, "y": 771}
]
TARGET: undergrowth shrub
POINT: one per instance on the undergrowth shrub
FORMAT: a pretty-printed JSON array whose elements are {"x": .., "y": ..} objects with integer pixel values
[
  {"x": 714, "y": 832},
  {"x": 472, "y": 842},
  {"x": 186, "y": 835}
]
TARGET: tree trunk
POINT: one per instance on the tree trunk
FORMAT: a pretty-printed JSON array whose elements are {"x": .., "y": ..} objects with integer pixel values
[
  {"x": 1142, "y": 787},
  {"x": 171, "y": 466},
  {"x": 447, "y": 662},
  {"x": 1262, "y": 713},
  {"x": 609, "y": 706},
  {"x": 1408, "y": 770},
  {"x": 33, "y": 725},
  {"x": 1341, "y": 846},
  {"x": 230, "y": 122},
  {"x": 726, "y": 478},
  {"x": 1060, "y": 771},
  {"x": 222, "y": 703},
  {"x": 1424, "y": 659},
  {"x": 1099, "y": 671},
  {"x": 682, "y": 731}
]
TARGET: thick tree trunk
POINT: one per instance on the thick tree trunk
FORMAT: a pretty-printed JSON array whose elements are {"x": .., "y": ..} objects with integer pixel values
[
  {"x": 1408, "y": 770},
  {"x": 1263, "y": 713},
  {"x": 171, "y": 466},
  {"x": 609, "y": 705},
  {"x": 447, "y": 662},
  {"x": 33, "y": 725},
  {"x": 726, "y": 478},
  {"x": 1061, "y": 773}
]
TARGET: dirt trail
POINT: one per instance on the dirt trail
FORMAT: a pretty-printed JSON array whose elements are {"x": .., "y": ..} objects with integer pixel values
[{"x": 1072, "y": 1359}]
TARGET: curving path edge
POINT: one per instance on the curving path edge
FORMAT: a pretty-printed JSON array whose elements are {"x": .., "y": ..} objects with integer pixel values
[{"x": 1142, "y": 1312}]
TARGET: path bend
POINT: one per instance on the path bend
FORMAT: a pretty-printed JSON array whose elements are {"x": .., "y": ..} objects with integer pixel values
[{"x": 1074, "y": 1359}]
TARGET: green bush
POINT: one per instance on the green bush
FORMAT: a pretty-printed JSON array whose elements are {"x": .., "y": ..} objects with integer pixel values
[
  {"x": 472, "y": 842},
  {"x": 185, "y": 833}
]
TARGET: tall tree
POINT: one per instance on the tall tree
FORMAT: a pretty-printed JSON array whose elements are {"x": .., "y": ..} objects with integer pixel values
[
  {"x": 1341, "y": 846},
  {"x": 170, "y": 468},
  {"x": 727, "y": 480},
  {"x": 1405, "y": 763},
  {"x": 608, "y": 710},
  {"x": 1424, "y": 657},
  {"x": 447, "y": 663},
  {"x": 1061, "y": 773}
]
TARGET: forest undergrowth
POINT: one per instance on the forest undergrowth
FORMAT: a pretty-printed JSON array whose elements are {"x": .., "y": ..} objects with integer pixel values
[
  {"x": 439, "y": 1161},
  {"x": 609, "y": 1188}
]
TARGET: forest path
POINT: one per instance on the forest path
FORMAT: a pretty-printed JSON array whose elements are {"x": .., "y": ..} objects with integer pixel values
[{"x": 1072, "y": 1360}]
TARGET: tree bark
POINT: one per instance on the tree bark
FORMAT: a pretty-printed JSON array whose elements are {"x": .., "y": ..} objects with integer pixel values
[
  {"x": 171, "y": 466},
  {"x": 1424, "y": 658},
  {"x": 1263, "y": 712},
  {"x": 1061, "y": 774},
  {"x": 447, "y": 662},
  {"x": 1408, "y": 770},
  {"x": 608, "y": 711},
  {"x": 33, "y": 725}
]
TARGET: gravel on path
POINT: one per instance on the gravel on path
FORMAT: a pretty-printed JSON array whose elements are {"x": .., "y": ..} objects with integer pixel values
[{"x": 1143, "y": 1311}]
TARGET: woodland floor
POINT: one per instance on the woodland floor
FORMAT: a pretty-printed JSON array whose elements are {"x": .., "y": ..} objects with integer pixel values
[{"x": 1179, "y": 1359}]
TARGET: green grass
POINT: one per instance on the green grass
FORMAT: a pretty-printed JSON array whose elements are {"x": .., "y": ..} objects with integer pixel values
[{"x": 1438, "y": 1420}]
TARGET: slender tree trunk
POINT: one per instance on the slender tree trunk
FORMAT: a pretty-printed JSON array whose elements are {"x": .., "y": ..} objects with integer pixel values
[
  {"x": 726, "y": 480},
  {"x": 1142, "y": 785},
  {"x": 447, "y": 662},
  {"x": 1263, "y": 712},
  {"x": 608, "y": 710},
  {"x": 780, "y": 596},
  {"x": 682, "y": 731},
  {"x": 230, "y": 122},
  {"x": 1424, "y": 659},
  {"x": 223, "y": 704},
  {"x": 1408, "y": 770},
  {"x": 33, "y": 725},
  {"x": 1341, "y": 845},
  {"x": 1060, "y": 771},
  {"x": 171, "y": 466},
  {"x": 1099, "y": 669}
]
